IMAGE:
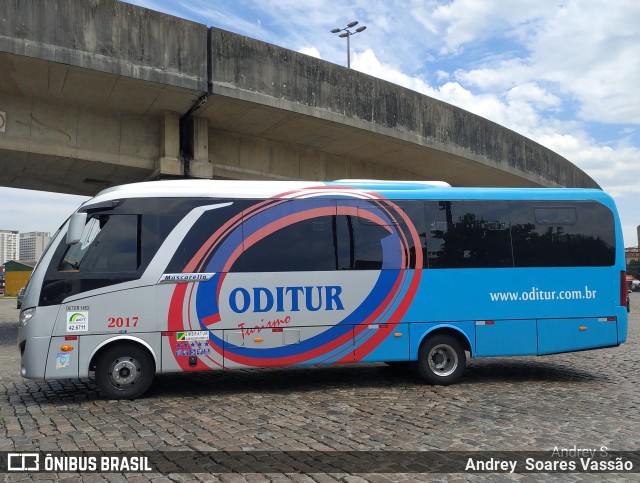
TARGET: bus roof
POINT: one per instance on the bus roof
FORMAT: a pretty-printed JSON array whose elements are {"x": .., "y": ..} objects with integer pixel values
[{"x": 234, "y": 189}]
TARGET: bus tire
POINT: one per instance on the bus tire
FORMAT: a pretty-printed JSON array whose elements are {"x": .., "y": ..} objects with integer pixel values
[
  {"x": 124, "y": 371},
  {"x": 441, "y": 360}
]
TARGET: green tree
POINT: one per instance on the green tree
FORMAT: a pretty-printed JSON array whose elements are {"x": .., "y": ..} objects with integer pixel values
[{"x": 633, "y": 268}]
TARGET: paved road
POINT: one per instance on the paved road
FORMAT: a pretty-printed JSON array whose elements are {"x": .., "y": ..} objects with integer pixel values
[{"x": 588, "y": 399}]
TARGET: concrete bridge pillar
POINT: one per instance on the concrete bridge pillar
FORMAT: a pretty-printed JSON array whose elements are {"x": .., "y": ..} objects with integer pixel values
[
  {"x": 192, "y": 151},
  {"x": 199, "y": 166},
  {"x": 169, "y": 162}
]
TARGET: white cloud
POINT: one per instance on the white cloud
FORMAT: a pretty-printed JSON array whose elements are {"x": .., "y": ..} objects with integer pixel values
[
  {"x": 587, "y": 49},
  {"x": 465, "y": 21},
  {"x": 592, "y": 50},
  {"x": 312, "y": 51},
  {"x": 532, "y": 93},
  {"x": 369, "y": 63},
  {"x": 616, "y": 169},
  {"x": 504, "y": 75}
]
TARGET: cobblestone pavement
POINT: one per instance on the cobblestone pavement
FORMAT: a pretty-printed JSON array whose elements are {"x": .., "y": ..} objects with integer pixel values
[{"x": 589, "y": 399}]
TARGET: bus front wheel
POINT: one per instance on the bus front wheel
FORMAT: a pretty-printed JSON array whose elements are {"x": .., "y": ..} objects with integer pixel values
[
  {"x": 124, "y": 371},
  {"x": 441, "y": 360}
]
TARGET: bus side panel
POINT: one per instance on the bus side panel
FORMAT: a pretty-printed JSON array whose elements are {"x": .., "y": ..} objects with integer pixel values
[
  {"x": 191, "y": 350},
  {"x": 278, "y": 346},
  {"x": 515, "y": 293},
  {"x": 565, "y": 335},
  {"x": 132, "y": 310},
  {"x": 62, "y": 362},
  {"x": 394, "y": 345},
  {"x": 506, "y": 338},
  {"x": 34, "y": 358},
  {"x": 418, "y": 332},
  {"x": 623, "y": 321},
  {"x": 284, "y": 318},
  {"x": 129, "y": 314},
  {"x": 35, "y": 340}
]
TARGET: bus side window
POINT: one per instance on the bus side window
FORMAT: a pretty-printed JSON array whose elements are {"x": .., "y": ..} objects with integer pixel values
[
  {"x": 201, "y": 234},
  {"x": 468, "y": 234},
  {"x": 562, "y": 234},
  {"x": 367, "y": 244},
  {"x": 378, "y": 227},
  {"x": 308, "y": 244},
  {"x": 414, "y": 212}
]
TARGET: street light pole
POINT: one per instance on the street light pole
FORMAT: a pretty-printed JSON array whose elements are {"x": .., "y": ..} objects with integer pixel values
[{"x": 348, "y": 33}]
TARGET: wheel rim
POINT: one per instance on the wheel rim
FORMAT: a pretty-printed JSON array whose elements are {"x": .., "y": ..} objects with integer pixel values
[
  {"x": 443, "y": 360},
  {"x": 125, "y": 372}
]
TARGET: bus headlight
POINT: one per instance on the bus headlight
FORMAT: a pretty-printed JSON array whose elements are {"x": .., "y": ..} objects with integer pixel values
[{"x": 25, "y": 315}]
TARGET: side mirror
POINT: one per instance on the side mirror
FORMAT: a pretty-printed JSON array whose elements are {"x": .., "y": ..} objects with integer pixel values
[{"x": 76, "y": 227}]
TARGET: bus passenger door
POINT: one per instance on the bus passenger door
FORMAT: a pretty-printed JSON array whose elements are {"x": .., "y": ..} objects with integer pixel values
[{"x": 378, "y": 248}]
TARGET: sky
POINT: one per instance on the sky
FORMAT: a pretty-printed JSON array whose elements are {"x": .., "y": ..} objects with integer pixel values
[{"x": 563, "y": 73}]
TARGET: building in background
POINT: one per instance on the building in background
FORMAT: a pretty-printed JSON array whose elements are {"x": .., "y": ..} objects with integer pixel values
[
  {"x": 632, "y": 254},
  {"x": 9, "y": 245},
  {"x": 17, "y": 275},
  {"x": 32, "y": 245}
]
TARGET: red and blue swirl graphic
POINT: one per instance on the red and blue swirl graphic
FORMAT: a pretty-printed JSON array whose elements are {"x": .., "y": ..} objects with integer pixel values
[{"x": 396, "y": 282}]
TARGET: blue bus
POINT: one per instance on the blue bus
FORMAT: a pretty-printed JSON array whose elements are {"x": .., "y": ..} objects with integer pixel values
[{"x": 187, "y": 275}]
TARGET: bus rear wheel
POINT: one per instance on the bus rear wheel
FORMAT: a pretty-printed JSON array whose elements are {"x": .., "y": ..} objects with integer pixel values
[
  {"x": 441, "y": 360},
  {"x": 124, "y": 371}
]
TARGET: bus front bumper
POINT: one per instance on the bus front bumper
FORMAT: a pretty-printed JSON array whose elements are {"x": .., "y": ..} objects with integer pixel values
[{"x": 33, "y": 357}]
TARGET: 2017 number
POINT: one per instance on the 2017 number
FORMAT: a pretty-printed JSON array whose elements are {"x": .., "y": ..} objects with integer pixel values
[{"x": 120, "y": 322}]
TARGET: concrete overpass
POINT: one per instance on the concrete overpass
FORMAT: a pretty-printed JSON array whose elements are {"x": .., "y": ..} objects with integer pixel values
[{"x": 95, "y": 93}]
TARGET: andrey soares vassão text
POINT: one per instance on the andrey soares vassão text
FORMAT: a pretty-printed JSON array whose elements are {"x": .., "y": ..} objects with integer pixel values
[{"x": 560, "y": 459}]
